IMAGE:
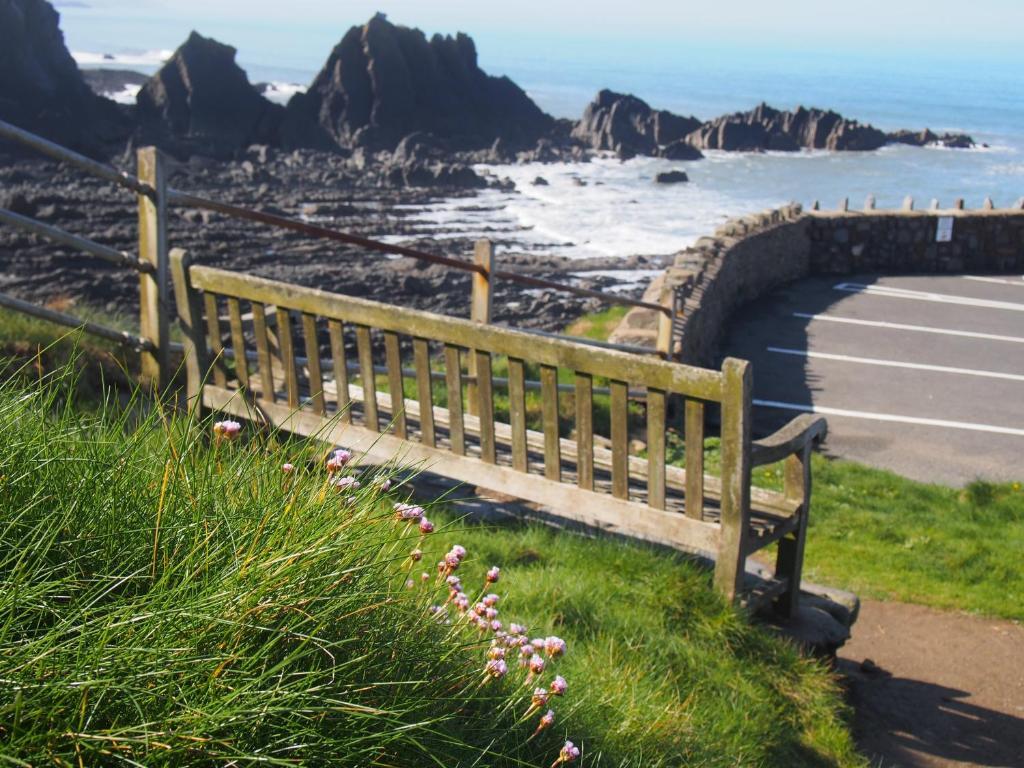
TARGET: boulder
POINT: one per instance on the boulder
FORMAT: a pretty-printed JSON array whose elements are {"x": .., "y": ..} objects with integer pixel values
[
  {"x": 671, "y": 177},
  {"x": 626, "y": 125},
  {"x": 383, "y": 82},
  {"x": 41, "y": 88},
  {"x": 926, "y": 137},
  {"x": 201, "y": 101}
]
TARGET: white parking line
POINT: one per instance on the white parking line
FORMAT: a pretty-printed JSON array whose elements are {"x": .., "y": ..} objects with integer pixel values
[
  {"x": 999, "y": 280},
  {"x": 905, "y": 327},
  {"x": 870, "y": 415},
  {"x": 942, "y": 298},
  {"x": 897, "y": 364}
]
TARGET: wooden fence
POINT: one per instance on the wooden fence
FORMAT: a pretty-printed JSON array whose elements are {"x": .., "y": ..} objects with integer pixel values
[{"x": 406, "y": 413}]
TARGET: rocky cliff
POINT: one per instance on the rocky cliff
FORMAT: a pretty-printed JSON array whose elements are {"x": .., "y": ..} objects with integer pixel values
[
  {"x": 383, "y": 82},
  {"x": 202, "y": 100},
  {"x": 41, "y": 88}
]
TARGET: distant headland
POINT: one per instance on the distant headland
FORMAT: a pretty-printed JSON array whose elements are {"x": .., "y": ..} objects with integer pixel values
[{"x": 387, "y": 95}]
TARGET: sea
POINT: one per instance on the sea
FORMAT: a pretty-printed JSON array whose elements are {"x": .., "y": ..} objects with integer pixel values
[{"x": 612, "y": 208}]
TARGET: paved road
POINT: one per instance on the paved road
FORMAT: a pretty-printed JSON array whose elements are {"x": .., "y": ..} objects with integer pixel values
[{"x": 922, "y": 375}]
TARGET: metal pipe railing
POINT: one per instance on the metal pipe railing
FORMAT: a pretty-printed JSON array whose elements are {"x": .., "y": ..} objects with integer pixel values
[
  {"x": 70, "y": 321},
  {"x": 57, "y": 152},
  {"x": 66, "y": 238}
]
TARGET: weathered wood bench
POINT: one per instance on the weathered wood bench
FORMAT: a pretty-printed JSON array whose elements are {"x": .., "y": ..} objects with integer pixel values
[{"x": 589, "y": 478}]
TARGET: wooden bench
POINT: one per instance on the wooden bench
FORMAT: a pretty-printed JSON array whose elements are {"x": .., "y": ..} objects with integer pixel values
[{"x": 591, "y": 478}]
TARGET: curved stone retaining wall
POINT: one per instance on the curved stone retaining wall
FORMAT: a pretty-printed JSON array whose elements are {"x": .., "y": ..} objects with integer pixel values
[{"x": 747, "y": 258}]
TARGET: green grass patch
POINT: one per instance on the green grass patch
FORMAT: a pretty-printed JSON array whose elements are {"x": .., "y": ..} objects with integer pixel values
[{"x": 171, "y": 601}]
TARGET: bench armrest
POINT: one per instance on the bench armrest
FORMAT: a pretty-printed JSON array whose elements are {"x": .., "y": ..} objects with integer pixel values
[{"x": 792, "y": 438}]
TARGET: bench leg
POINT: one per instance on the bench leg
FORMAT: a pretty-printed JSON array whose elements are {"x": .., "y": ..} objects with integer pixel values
[{"x": 790, "y": 560}]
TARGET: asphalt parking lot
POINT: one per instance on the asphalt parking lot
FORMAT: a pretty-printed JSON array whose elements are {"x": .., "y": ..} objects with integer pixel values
[{"x": 923, "y": 375}]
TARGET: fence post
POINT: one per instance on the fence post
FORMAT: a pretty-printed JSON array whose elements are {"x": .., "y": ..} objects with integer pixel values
[
  {"x": 729, "y": 567},
  {"x": 479, "y": 311},
  {"x": 154, "y": 288},
  {"x": 666, "y": 321}
]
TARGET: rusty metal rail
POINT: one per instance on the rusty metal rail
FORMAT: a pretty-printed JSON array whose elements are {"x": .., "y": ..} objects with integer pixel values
[{"x": 70, "y": 321}]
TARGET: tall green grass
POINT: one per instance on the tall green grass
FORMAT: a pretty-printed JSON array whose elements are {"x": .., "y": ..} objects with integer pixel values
[{"x": 168, "y": 600}]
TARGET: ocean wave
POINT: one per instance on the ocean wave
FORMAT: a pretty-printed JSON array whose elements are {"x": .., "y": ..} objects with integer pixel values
[
  {"x": 280, "y": 93},
  {"x": 148, "y": 59},
  {"x": 124, "y": 96}
]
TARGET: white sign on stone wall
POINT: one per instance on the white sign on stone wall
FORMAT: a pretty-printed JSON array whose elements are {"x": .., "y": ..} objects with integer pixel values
[{"x": 944, "y": 229}]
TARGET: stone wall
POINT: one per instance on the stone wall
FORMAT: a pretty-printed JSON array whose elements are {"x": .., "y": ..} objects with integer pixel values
[
  {"x": 747, "y": 258},
  {"x": 903, "y": 242}
]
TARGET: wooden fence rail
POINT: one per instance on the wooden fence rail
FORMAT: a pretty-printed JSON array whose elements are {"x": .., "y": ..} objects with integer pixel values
[{"x": 549, "y": 453}]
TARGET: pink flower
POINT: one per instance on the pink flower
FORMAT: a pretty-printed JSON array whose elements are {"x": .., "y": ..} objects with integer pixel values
[
  {"x": 408, "y": 512},
  {"x": 459, "y": 551},
  {"x": 491, "y": 600},
  {"x": 525, "y": 654},
  {"x": 338, "y": 460},
  {"x": 384, "y": 483},
  {"x": 546, "y": 720},
  {"x": 461, "y": 602},
  {"x": 517, "y": 629},
  {"x": 346, "y": 484},
  {"x": 492, "y": 574},
  {"x": 536, "y": 664},
  {"x": 496, "y": 668},
  {"x": 538, "y": 643},
  {"x": 540, "y": 697},
  {"x": 454, "y": 582},
  {"x": 555, "y": 647},
  {"x": 559, "y": 686},
  {"x": 496, "y": 652},
  {"x": 426, "y": 526},
  {"x": 424, "y": 576},
  {"x": 416, "y": 555},
  {"x": 495, "y": 626},
  {"x": 479, "y": 609},
  {"x": 451, "y": 562},
  {"x": 409, "y": 583},
  {"x": 287, "y": 468},
  {"x": 569, "y": 754},
  {"x": 491, "y": 613},
  {"x": 227, "y": 430}
]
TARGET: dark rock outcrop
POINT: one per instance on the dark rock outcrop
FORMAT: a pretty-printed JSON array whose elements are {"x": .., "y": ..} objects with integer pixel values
[
  {"x": 383, "y": 82},
  {"x": 926, "y": 137},
  {"x": 201, "y": 101},
  {"x": 765, "y": 128},
  {"x": 671, "y": 177},
  {"x": 41, "y": 89},
  {"x": 105, "y": 81},
  {"x": 626, "y": 125}
]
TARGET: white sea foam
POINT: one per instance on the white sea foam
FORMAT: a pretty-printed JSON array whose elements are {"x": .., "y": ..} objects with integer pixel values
[
  {"x": 280, "y": 93},
  {"x": 126, "y": 95},
  {"x": 146, "y": 59}
]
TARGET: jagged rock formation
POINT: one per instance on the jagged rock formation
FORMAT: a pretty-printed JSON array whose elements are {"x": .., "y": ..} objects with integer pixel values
[
  {"x": 383, "y": 82},
  {"x": 201, "y": 100},
  {"x": 41, "y": 88},
  {"x": 626, "y": 125},
  {"x": 765, "y": 128}
]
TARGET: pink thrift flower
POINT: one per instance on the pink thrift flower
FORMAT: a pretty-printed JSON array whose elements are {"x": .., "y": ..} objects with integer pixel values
[
  {"x": 416, "y": 555},
  {"x": 454, "y": 582},
  {"x": 287, "y": 468},
  {"x": 546, "y": 720},
  {"x": 495, "y": 626},
  {"x": 536, "y": 664},
  {"x": 459, "y": 551},
  {"x": 451, "y": 562},
  {"x": 559, "y": 686},
  {"x": 409, "y": 583},
  {"x": 384, "y": 483},
  {"x": 496, "y": 652},
  {"x": 426, "y": 526},
  {"x": 516, "y": 629},
  {"x": 424, "y": 576},
  {"x": 555, "y": 647},
  {"x": 569, "y": 754},
  {"x": 228, "y": 430},
  {"x": 496, "y": 668},
  {"x": 461, "y": 602},
  {"x": 346, "y": 484},
  {"x": 491, "y": 613},
  {"x": 540, "y": 697},
  {"x": 491, "y": 600},
  {"x": 338, "y": 460},
  {"x": 493, "y": 574},
  {"x": 538, "y": 643},
  {"x": 479, "y": 609}
]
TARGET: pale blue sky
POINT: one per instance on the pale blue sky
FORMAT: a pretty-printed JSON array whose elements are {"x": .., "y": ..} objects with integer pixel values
[{"x": 949, "y": 26}]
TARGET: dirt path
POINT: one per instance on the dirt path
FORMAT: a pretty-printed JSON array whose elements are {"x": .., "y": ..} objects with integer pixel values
[{"x": 941, "y": 689}]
